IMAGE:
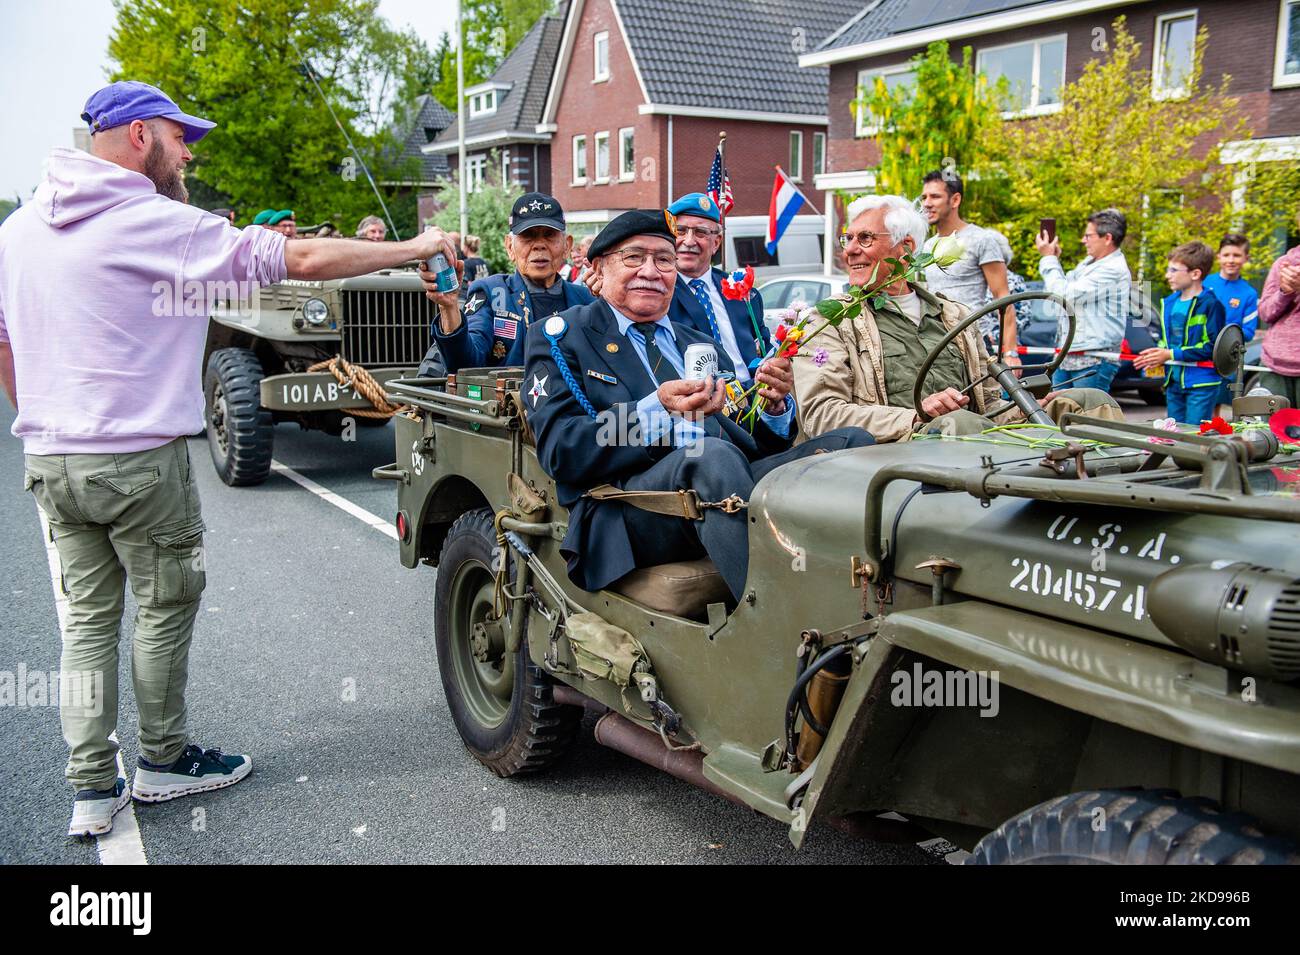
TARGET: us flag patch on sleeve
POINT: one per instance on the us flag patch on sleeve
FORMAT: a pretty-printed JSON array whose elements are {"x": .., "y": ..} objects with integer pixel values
[{"x": 505, "y": 328}]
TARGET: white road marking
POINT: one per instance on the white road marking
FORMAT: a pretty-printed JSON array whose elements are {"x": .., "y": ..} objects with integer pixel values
[
  {"x": 122, "y": 846},
  {"x": 342, "y": 503}
]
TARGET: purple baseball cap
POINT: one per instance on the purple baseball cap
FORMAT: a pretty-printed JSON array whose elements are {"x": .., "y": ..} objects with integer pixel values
[{"x": 126, "y": 100}]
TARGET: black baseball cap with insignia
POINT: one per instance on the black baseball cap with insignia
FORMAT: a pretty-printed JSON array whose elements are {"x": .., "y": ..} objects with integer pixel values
[{"x": 534, "y": 209}]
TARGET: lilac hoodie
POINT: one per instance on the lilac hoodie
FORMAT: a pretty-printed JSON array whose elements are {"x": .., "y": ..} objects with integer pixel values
[{"x": 91, "y": 273}]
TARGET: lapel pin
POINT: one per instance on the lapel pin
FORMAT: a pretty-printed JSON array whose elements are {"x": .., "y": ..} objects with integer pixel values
[{"x": 611, "y": 347}]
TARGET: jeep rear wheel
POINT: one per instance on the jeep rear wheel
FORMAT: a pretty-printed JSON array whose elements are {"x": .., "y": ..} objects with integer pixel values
[
  {"x": 1130, "y": 827},
  {"x": 501, "y": 702},
  {"x": 240, "y": 430}
]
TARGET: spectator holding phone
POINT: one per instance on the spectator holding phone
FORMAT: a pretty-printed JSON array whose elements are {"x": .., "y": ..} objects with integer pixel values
[
  {"x": 1098, "y": 289},
  {"x": 1190, "y": 319}
]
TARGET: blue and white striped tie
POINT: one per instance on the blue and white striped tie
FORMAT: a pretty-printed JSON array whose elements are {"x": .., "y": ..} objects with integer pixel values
[{"x": 697, "y": 286}]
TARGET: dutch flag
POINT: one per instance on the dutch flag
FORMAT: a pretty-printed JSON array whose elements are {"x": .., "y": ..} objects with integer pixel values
[{"x": 787, "y": 200}]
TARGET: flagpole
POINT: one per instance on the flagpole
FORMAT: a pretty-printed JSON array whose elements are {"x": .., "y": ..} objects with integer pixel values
[
  {"x": 807, "y": 201},
  {"x": 722, "y": 219}
]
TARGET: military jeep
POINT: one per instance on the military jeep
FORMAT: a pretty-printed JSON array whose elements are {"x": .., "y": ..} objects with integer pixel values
[
  {"x": 1128, "y": 597},
  {"x": 317, "y": 353}
]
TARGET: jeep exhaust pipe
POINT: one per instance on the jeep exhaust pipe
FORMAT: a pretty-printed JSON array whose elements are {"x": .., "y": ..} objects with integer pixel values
[{"x": 621, "y": 734}]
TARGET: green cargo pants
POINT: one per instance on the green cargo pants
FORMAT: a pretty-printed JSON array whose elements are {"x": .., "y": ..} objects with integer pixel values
[{"x": 114, "y": 518}]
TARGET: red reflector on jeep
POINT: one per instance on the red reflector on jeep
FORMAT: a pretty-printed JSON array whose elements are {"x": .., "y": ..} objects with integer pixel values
[{"x": 402, "y": 526}]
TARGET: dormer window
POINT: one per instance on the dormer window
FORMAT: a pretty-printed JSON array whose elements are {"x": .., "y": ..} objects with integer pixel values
[{"x": 480, "y": 104}]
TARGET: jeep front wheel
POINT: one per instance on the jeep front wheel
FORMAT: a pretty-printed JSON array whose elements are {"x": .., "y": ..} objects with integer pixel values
[
  {"x": 500, "y": 701},
  {"x": 240, "y": 431},
  {"x": 1130, "y": 827}
]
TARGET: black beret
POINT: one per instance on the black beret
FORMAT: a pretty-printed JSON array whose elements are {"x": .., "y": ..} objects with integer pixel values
[{"x": 658, "y": 222}]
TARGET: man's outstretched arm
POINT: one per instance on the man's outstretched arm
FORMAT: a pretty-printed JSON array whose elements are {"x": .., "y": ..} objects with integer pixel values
[{"x": 318, "y": 259}]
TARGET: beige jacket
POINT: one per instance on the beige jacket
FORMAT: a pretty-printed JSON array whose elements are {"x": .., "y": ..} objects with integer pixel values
[{"x": 848, "y": 388}]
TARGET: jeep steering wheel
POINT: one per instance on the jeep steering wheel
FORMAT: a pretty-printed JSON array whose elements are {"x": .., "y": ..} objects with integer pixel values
[{"x": 1004, "y": 375}]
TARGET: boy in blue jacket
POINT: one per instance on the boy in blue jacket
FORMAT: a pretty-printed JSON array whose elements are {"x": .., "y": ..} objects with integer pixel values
[{"x": 1190, "y": 319}]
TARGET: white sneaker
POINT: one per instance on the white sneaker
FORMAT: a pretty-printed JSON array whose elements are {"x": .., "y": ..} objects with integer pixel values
[
  {"x": 196, "y": 771},
  {"x": 93, "y": 809}
]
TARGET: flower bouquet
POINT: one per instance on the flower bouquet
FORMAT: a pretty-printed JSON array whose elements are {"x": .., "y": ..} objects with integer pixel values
[{"x": 788, "y": 339}]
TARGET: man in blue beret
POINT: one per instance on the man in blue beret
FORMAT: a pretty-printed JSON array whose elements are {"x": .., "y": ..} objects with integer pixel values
[
  {"x": 608, "y": 396},
  {"x": 697, "y": 297},
  {"x": 488, "y": 331}
]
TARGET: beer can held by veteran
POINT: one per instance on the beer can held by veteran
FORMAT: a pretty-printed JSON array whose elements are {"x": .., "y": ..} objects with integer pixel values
[
  {"x": 444, "y": 273},
  {"x": 700, "y": 362}
]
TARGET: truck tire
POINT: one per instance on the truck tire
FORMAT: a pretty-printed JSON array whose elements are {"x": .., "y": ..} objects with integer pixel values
[
  {"x": 1130, "y": 827},
  {"x": 240, "y": 431},
  {"x": 501, "y": 703}
]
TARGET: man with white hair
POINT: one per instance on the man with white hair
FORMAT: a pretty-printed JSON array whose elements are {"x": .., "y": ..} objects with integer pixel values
[{"x": 863, "y": 372}]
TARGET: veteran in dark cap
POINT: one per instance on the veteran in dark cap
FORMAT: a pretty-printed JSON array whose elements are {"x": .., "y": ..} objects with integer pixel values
[
  {"x": 489, "y": 329},
  {"x": 698, "y": 298},
  {"x": 606, "y": 393}
]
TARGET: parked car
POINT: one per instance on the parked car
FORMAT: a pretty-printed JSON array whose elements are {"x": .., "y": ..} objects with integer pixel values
[{"x": 797, "y": 290}]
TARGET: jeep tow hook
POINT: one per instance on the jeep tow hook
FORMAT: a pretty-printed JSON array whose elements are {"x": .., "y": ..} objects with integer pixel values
[{"x": 391, "y": 472}]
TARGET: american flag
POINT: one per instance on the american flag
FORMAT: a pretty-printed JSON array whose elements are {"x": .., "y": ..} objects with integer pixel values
[
  {"x": 505, "y": 328},
  {"x": 719, "y": 187}
]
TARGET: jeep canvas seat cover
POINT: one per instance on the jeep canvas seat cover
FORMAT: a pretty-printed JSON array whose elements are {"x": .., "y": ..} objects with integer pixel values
[{"x": 684, "y": 588}]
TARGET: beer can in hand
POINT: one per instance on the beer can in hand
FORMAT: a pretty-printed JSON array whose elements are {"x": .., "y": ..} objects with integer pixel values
[
  {"x": 444, "y": 273},
  {"x": 701, "y": 362}
]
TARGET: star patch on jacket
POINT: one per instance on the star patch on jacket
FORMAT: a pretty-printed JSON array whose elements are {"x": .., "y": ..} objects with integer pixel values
[{"x": 538, "y": 390}]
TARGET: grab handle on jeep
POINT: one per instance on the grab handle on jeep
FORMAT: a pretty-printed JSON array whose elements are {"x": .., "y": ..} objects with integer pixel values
[{"x": 391, "y": 472}]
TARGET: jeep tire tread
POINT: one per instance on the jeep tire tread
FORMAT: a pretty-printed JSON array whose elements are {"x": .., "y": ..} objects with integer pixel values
[
  {"x": 240, "y": 431},
  {"x": 1130, "y": 827},
  {"x": 532, "y": 731}
]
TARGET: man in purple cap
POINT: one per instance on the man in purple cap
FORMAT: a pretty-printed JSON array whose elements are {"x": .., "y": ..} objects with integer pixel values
[{"x": 104, "y": 372}]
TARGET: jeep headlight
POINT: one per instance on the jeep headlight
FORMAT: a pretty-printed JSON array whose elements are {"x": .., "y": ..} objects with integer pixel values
[{"x": 315, "y": 311}]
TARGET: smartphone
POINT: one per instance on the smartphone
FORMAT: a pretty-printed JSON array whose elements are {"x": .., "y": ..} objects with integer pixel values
[{"x": 1048, "y": 226}]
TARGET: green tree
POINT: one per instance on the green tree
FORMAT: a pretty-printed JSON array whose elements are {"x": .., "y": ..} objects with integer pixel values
[
  {"x": 947, "y": 117},
  {"x": 1159, "y": 159},
  {"x": 492, "y": 29},
  {"x": 489, "y": 213},
  {"x": 240, "y": 63}
]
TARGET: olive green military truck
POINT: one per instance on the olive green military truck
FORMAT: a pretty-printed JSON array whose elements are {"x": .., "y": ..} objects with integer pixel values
[
  {"x": 1042, "y": 644},
  {"x": 317, "y": 353}
]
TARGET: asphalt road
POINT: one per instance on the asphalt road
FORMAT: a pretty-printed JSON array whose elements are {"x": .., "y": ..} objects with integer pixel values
[{"x": 303, "y": 603}]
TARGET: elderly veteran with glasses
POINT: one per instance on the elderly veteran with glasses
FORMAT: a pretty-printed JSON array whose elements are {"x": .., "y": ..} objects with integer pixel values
[
  {"x": 697, "y": 296},
  {"x": 605, "y": 393},
  {"x": 863, "y": 372}
]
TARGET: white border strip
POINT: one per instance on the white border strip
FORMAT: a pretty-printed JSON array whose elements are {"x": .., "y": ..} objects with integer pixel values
[{"x": 342, "y": 503}]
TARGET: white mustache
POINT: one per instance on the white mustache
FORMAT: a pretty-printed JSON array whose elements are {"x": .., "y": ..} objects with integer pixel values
[
  {"x": 692, "y": 249},
  {"x": 647, "y": 285}
]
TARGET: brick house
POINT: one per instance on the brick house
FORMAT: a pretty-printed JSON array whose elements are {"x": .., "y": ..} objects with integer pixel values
[
  {"x": 502, "y": 115},
  {"x": 642, "y": 89},
  {"x": 1039, "y": 45}
]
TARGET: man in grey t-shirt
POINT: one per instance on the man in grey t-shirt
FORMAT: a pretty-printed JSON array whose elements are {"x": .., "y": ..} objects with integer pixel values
[{"x": 981, "y": 272}]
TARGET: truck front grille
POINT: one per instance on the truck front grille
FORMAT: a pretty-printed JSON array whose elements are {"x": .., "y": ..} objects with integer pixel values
[{"x": 385, "y": 329}]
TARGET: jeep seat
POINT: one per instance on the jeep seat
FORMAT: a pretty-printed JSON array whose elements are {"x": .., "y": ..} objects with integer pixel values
[{"x": 684, "y": 588}]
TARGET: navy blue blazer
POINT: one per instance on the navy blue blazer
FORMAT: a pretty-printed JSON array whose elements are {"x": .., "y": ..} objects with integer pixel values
[
  {"x": 495, "y": 320},
  {"x": 687, "y": 310},
  {"x": 576, "y": 450}
]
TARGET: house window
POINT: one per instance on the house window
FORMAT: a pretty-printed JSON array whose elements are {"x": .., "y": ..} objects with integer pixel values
[
  {"x": 626, "y": 157},
  {"x": 600, "y": 56},
  {"x": 480, "y": 104},
  {"x": 819, "y": 153},
  {"x": 1175, "y": 51},
  {"x": 1286, "y": 71},
  {"x": 894, "y": 77},
  {"x": 1034, "y": 71},
  {"x": 579, "y": 160},
  {"x": 602, "y": 157},
  {"x": 506, "y": 177},
  {"x": 475, "y": 172},
  {"x": 795, "y": 168}
]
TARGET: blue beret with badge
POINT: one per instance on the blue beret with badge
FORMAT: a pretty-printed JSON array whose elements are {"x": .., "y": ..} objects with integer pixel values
[{"x": 696, "y": 204}]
